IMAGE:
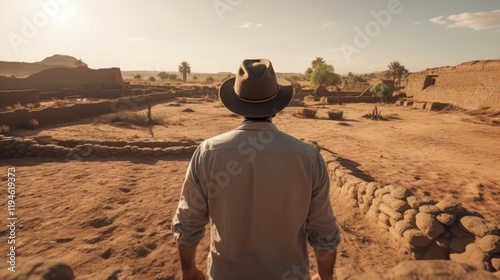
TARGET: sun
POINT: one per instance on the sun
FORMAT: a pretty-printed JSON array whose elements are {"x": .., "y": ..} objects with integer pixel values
[{"x": 67, "y": 12}]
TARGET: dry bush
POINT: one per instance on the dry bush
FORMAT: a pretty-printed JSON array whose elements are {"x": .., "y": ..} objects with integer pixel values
[
  {"x": 139, "y": 118},
  {"x": 210, "y": 97},
  {"x": 58, "y": 102},
  {"x": 375, "y": 115},
  {"x": 335, "y": 114},
  {"x": 18, "y": 105},
  {"x": 30, "y": 124},
  {"x": 4, "y": 129},
  {"x": 30, "y": 105},
  {"x": 305, "y": 112},
  {"x": 9, "y": 107}
]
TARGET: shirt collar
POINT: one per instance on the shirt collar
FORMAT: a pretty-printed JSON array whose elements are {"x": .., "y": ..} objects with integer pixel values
[{"x": 252, "y": 125}]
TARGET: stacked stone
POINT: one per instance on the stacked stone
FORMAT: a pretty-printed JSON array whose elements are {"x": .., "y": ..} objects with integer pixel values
[
  {"x": 15, "y": 148},
  {"x": 430, "y": 229}
]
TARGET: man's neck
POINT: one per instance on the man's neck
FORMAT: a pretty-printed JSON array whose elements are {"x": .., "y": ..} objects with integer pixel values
[{"x": 268, "y": 119}]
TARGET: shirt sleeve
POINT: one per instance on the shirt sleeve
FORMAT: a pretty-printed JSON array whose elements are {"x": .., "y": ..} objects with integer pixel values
[
  {"x": 321, "y": 226},
  {"x": 191, "y": 216}
]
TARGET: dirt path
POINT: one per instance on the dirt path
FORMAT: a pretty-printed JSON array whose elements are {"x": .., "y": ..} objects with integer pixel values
[{"x": 100, "y": 213}]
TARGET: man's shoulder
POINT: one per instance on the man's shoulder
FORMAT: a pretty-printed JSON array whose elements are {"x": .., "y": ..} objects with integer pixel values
[{"x": 275, "y": 138}]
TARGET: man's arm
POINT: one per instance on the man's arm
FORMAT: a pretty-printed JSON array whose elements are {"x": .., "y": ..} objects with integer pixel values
[
  {"x": 321, "y": 227},
  {"x": 188, "y": 263},
  {"x": 190, "y": 219},
  {"x": 326, "y": 263}
]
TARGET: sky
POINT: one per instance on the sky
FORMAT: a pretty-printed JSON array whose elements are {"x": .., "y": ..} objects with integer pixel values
[{"x": 216, "y": 35}]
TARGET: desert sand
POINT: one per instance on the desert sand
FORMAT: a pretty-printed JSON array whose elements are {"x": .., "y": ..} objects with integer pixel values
[{"x": 106, "y": 212}]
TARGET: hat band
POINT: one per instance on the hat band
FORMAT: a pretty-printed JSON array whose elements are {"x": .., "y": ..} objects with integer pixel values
[{"x": 260, "y": 100}]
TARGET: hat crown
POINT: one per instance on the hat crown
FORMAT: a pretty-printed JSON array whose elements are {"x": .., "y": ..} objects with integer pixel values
[{"x": 256, "y": 80}]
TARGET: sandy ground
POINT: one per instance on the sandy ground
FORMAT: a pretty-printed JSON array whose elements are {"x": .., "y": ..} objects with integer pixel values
[{"x": 100, "y": 213}]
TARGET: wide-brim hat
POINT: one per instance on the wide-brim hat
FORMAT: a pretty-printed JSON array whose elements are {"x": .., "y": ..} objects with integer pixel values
[{"x": 255, "y": 91}]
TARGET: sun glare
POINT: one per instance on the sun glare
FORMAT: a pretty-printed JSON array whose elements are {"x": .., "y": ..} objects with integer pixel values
[{"x": 67, "y": 12}]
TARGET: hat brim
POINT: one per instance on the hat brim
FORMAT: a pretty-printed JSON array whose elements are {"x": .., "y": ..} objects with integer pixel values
[{"x": 228, "y": 97}]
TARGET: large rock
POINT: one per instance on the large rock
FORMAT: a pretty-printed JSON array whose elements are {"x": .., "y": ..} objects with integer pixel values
[
  {"x": 489, "y": 243},
  {"x": 399, "y": 192},
  {"x": 446, "y": 219},
  {"x": 474, "y": 256},
  {"x": 37, "y": 269},
  {"x": 436, "y": 270},
  {"x": 476, "y": 225},
  {"x": 429, "y": 225},
  {"x": 451, "y": 208},
  {"x": 410, "y": 216},
  {"x": 416, "y": 238},
  {"x": 402, "y": 226},
  {"x": 400, "y": 205},
  {"x": 414, "y": 201},
  {"x": 429, "y": 209},
  {"x": 390, "y": 212}
]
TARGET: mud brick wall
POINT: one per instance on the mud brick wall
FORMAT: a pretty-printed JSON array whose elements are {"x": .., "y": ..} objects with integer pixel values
[
  {"x": 470, "y": 85},
  {"x": 430, "y": 229},
  {"x": 11, "y": 97},
  {"x": 57, "y": 78},
  {"x": 49, "y": 115},
  {"x": 18, "y": 147}
]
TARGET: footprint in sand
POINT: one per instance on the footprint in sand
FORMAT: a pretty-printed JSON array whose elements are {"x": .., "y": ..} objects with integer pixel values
[
  {"x": 125, "y": 190},
  {"x": 99, "y": 222}
]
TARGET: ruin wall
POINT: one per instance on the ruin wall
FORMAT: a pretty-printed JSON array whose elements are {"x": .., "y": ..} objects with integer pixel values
[
  {"x": 57, "y": 78},
  {"x": 18, "y": 118},
  {"x": 11, "y": 97},
  {"x": 470, "y": 85}
]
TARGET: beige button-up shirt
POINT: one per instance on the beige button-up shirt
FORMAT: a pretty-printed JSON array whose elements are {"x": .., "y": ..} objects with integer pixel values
[{"x": 265, "y": 193}]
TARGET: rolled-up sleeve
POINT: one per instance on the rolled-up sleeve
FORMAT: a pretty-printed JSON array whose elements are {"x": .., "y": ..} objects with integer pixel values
[
  {"x": 321, "y": 226},
  {"x": 191, "y": 216}
]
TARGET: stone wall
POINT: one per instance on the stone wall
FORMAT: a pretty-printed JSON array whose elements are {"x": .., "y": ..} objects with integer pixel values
[
  {"x": 352, "y": 99},
  {"x": 47, "y": 115},
  {"x": 420, "y": 270},
  {"x": 11, "y": 97},
  {"x": 470, "y": 85},
  {"x": 430, "y": 229},
  {"x": 87, "y": 93},
  {"x": 26, "y": 147}
]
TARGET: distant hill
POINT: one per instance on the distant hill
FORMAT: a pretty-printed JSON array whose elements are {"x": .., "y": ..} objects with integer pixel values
[{"x": 24, "y": 68}]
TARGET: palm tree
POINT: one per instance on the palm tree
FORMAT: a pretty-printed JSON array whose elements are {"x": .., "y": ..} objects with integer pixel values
[
  {"x": 393, "y": 69},
  {"x": 184, "y": 69},
  {"x": 317, "y": 62},
  {"x": 401, "y": 71},
  {"x": 80, "y": 63}
]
